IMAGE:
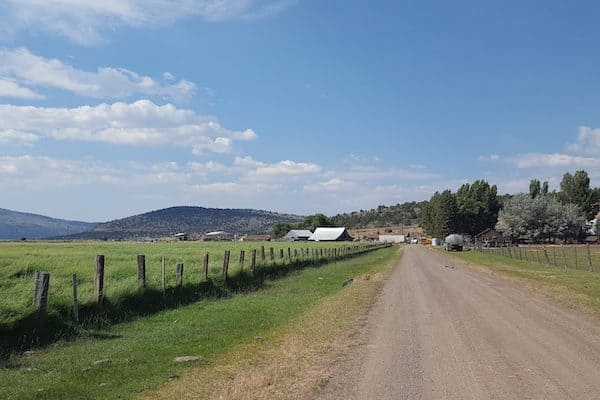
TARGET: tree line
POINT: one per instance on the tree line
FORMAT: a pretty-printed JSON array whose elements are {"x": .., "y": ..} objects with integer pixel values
[{"x": 539, "y": 215}]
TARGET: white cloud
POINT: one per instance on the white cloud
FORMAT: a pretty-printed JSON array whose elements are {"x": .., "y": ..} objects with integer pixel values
[
  {"x": 85, "y": 21},
  {"x": 11, "y": 135},
  {"x": 259, "y": 171},
  {"x": 542, "y": 160},
  {"x": 10, "y": 88},
  {"x": 588, "y": 141},
  {"x": 141, "y": 123},
  {"x": 22, "y": 66},
  {"x": 331, "y": 185},
  {"x": 221, "y": 145},
  {"x": 491, "y": 157}
]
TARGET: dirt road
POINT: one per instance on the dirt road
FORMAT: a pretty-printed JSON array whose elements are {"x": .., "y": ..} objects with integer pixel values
[{"x": 455, "y": 333}]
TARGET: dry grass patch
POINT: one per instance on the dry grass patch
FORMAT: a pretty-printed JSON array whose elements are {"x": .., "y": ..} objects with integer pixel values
[{"x": 290, "y": 362}]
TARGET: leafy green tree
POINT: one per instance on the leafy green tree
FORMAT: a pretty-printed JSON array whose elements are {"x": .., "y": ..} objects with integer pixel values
[
  {"x": 478, "y": 207},
  {"x": 524, "y": 218},
  {"x": 440, "y": 217},
  {"x": 279, "y": 229},
  {"x": 545, "y": 188},
  {"x": 535, "y": 188},
  {"x": 312, "y": 222},
  {"x": 575, "y": 189}
]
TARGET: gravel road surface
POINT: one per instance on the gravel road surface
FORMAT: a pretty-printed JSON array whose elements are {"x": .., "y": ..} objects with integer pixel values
[{"x": 442, "y": 330}]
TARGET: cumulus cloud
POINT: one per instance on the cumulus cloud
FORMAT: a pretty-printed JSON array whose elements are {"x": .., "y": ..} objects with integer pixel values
[
  {"x": 85, "y": 21},
  {"x": 588, "y": 141},
  {"x": 542, "y": 160},
  {"x": 491, "y": 157},
  {"x": 10, "y": 88},
  {"x": 28, "y": 69},
  {"x": 331, "y": 185},
  {"x": 14, "y": 136},
  {"x": 260, "y": 171},
  {"x": 142, "y": 123}
]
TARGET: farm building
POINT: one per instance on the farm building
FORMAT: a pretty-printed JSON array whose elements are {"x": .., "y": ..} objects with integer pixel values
[
  {"x": 217, "y": 235},
  {"x": 181, "y": 236},
  {"x": 490, "y": 238},
  {"x": 256, "y": 238},
  {"x": 298, "y": 235},
  {"x": 330, "y": 235},
  {"x": 392, "y": 238}
]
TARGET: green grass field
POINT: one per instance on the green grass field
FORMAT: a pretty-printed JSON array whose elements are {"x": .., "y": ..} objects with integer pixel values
[
  {"x": 576, "y": 287},
  {"x": 142, "y": 350}
]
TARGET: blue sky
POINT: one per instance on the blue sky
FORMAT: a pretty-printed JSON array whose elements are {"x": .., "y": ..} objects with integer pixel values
[{"x": 112, "y": 109}]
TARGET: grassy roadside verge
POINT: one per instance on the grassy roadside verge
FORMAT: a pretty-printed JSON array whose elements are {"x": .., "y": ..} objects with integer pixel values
[
  {"x": 141, "y": 352},
  {"x": 579, "y": 289}
]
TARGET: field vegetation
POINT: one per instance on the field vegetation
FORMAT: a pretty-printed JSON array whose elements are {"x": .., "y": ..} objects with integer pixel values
[
  {"x": 134, "y": 356},
  {"x": 123, "y": 298}
]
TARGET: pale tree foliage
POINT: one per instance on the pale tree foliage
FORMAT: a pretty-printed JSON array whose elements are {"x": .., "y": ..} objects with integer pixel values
[{"x": 539, "y": 218}]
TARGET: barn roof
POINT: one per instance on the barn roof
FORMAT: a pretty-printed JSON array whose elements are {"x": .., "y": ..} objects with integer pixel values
[
  {"x": 323, "y": 234},
  {"x": 299, "y": 233}
]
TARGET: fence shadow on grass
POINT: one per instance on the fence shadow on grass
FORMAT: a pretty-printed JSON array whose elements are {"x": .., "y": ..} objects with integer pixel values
[{"x": 26, "y": 333}]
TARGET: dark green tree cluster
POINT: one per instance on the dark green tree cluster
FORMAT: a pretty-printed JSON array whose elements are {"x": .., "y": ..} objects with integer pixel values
[
  {"x": 575, "y": 189},
  {"x": 400, "y": 214},
  {"x": 310, "y": 222},
  {"x": 471, "y": 210}
]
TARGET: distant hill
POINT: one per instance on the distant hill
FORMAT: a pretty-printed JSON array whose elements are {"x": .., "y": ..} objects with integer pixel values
[
  {"x": 399, "y": 214},
  {"x": 191, "y": 220},
  {"x": 15, "y": 225}
]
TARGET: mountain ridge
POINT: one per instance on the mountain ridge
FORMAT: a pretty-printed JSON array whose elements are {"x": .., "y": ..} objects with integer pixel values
[
  {"x": 189, "y": 219},
  {"x": 15, "y": 225}
]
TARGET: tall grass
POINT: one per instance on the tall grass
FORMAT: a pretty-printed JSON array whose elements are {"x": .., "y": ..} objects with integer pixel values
[
  {"x": 123, "y": 300},
  {"x": 142, "y": 350}
]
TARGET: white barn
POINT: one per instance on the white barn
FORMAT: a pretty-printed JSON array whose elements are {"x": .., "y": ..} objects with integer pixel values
[
  {"x": 330, "y": 235},
  {"x": 298, "y": 234}
]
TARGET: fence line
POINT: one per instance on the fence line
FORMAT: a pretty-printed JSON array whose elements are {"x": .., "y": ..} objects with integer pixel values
[
  {"x": 560, "y": 256},
  {"x": 42, "y": 279}
]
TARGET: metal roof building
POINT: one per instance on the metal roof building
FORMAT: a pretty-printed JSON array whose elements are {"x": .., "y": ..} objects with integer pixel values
[
  {"x": 330, "y": 235},
  {"x": 298, "y": 234}
]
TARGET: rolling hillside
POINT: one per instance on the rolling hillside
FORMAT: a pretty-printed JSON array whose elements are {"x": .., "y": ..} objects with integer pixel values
[
  {"x": 192, "y": 220},
  {"x": 15, "y": 225}
]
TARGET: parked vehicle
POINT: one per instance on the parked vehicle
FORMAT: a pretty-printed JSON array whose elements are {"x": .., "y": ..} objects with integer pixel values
[{"x": 454, "y": 242}]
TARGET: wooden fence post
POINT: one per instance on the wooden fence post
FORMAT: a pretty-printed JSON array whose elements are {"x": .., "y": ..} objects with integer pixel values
[
  {"x": 242, "y": 254},
  {"x": 99, "y": 280},
  {"x": 226, "y": 264},
  {"x": 564, "y": 256},
  {"x": 164, "y": 275},
  {"x": 272, "y": 254},
  {"x": 179, "y": 271},
  {"x": 205, "y": 266},
  {"x": 554, "y": 255},
  {"x": 75, "y": 300},
  {"x": 289, "y": 254},
  {"x": 295, "y": 254},
  {"x": 141, "y": 261},
  {"x": 280, "y": 253},
  {"x": 546, "y": 256},
  {"x": 262, "y": 253},
  {"x": 520, "y": 254},
  {"x": 576, "y": 261},
  {"x": 253, "y": 261},
  {"x": 44, "y": 286},
  {"x": 37, "y": 284},
  {"x": 589, "y": 258}
]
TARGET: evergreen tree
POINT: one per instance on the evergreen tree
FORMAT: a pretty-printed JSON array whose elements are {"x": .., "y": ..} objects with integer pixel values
[
  {"x": 575, "y": 189},
  {"x": 534, "y": 188}
]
